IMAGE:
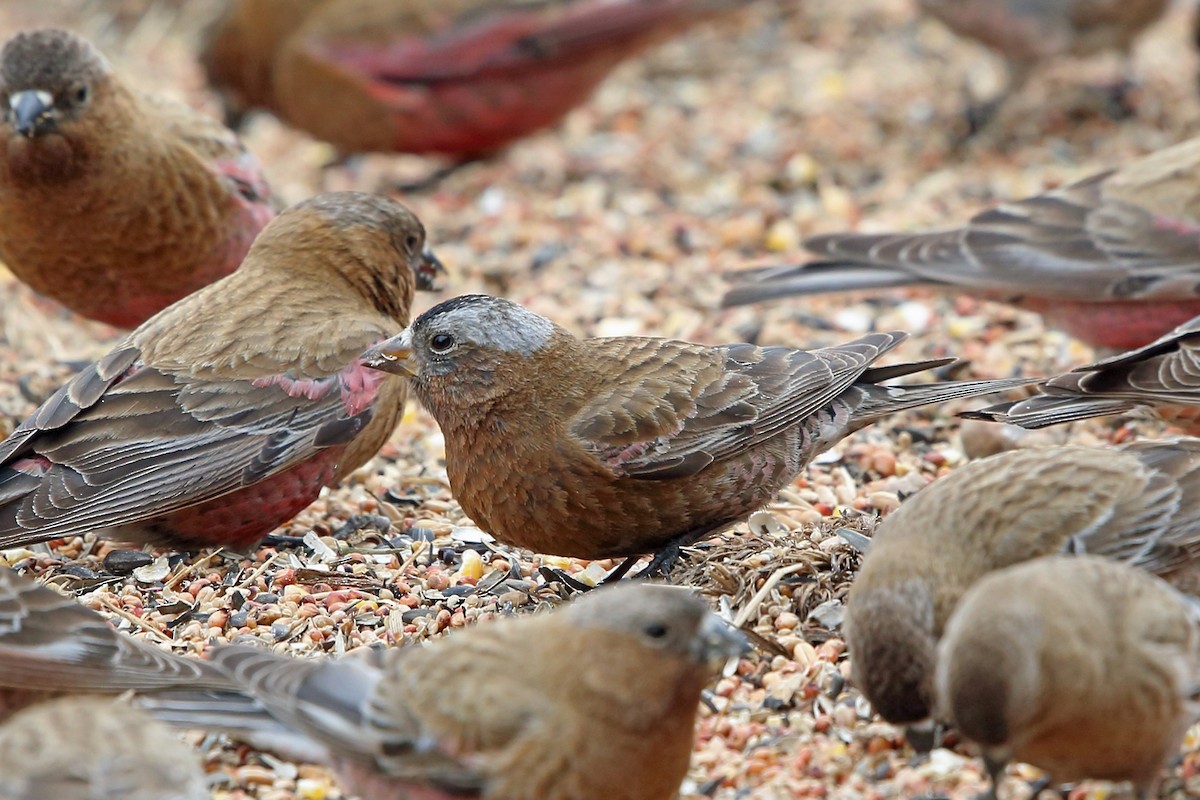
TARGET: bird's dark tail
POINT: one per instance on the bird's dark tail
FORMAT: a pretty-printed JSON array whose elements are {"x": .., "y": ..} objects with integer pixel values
[
  {"x": 877, "y": 401},
  {"x": 845, "y": 262},
  {"x": 817, "y": 277},
  {"x": 1042, "y": 411}
]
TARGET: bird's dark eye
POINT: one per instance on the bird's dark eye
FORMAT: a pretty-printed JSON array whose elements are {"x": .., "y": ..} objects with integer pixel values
[
  {"x": 81, "y": 94},
  {"x": 656, "y": 630},
  {"x": 412, "y": 243},
  {"x": 441, "y": 342}
]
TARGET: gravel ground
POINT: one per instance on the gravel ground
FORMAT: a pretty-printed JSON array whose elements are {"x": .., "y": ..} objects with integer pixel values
[{"x": 718, "y": 150}]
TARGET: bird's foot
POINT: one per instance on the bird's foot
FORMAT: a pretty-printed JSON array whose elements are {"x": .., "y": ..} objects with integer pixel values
[
  {"x": 660, "y": 566},
  {"x": 663, "y": 562}
]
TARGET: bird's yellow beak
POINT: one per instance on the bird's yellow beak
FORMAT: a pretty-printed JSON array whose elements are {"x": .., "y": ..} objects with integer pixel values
[{"x": 395, "y": 355}]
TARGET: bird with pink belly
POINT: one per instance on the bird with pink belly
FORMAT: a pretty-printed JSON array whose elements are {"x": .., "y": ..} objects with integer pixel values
[
  {"x": 1113, "y": 260},
  {"x": 460, "y": 78},
  {"x": 112, "y": 202},
  {"x": 225, "y": 414}
]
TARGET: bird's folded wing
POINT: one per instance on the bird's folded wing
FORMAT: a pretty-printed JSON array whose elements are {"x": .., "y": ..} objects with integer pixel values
[
  {"x": 213, "y": 145},
  {"x": 1167, "y": 370},
  {"x": 1158, "y": 529},
  {"x": 493, "y": 41},
  {"x": 123, "y": 441},
  {"x": 1087, "y": 241},
  {"x": 676, "y": 408},
  {"x": 338, "y": 703}
]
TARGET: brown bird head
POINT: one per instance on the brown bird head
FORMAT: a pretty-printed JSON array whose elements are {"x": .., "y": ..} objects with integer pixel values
[
  {"x": 470, "y": 349},
  {"x": 375, "y": 245},
  {"x": 670, "y": 621},
  {"x": 890, "y": 633},
  {"x": 51, "y": 80}
]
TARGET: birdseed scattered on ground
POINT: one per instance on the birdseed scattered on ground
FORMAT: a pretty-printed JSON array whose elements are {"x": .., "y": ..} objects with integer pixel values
[{"x": 721, "y": 149}]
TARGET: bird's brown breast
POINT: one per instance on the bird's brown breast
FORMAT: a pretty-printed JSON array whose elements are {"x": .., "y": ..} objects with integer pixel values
[{"x": 547, "y": 494}]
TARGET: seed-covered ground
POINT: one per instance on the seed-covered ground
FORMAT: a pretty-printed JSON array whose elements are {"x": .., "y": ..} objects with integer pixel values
[{"x": 721, "y": 149}]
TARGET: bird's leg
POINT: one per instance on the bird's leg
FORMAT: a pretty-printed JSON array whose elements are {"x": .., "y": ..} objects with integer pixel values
[
  {"x": 980, "y": 114},
  {"x": 663, "y": 561},
  {"x": 923, "y": 736},
  {"x": 995, "y": 769},
  {"x": 430, "y": 181},
  {"x": 350, "y": 163},
  {"x": 1117, "y": 98},
  {"x": 233, "y": 113}
]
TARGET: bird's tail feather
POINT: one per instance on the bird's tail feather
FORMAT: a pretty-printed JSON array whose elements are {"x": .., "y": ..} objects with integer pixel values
[
  {"x": 880, "y": 374},
  {"x": 880, "y": 401},
  {"x": 13, "y": 535},
  {"x": 818, "y": 277},
  {"x": 1043, "y": 411},
  {"x": 235, "y": 714}
]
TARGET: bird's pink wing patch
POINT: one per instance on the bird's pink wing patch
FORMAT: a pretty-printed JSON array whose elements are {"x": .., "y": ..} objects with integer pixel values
[{"x": 360, "y": 386}]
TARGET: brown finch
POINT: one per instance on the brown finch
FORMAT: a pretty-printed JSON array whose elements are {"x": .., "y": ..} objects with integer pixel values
[
  {"x": 457, "y": 77},
  {"x": 1077, "y": 665},
  {"x": 115, "y": 203},
  {"x": 1138, "y": 504},
  {"x": 224, "y": 415},
  {"x": 594, "y": 701},
  {"x": 596, "y": 448},
  {"x": 1111, "y": 260}
]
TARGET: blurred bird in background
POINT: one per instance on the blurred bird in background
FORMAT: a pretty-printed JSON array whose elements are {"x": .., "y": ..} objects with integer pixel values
[
  {"x": 1139, "y": 504},
  {"x": 113, "y": 202},
  {"x": 1112, "y": 260},
  {"x": 459, "y": 78},
  {"x": 1027, "y": 33}
]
